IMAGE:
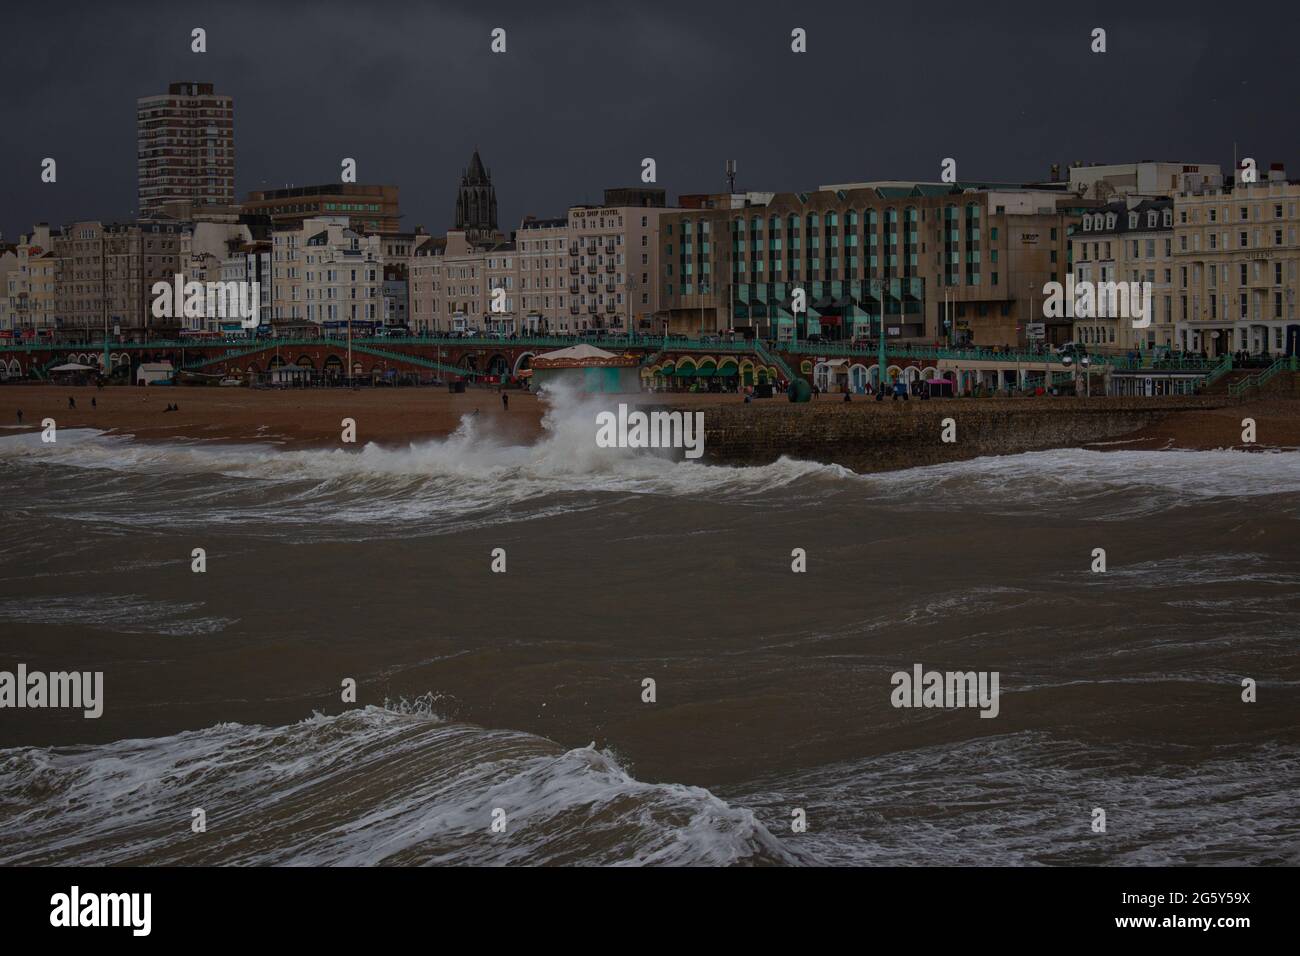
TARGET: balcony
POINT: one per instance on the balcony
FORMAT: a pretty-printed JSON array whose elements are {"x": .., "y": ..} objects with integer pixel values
[
  {"x": 574, "y": 286},
  {"x": 609, "y": 267},
  {"x": 609, "y": 248},
  {"x": 573, "y": 248},
  {"x": 591, "y": 267},
  {"x": 591, "y": 286},
  {"x": 591, "y": 308},
  {"x": 573, "y": 310},
  {"x": 609, "y": 287},
  {"x": 573, "y": 270}
]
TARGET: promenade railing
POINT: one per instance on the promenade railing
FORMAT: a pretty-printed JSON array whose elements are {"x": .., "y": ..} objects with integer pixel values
[{"x": 1286, "y": 363}]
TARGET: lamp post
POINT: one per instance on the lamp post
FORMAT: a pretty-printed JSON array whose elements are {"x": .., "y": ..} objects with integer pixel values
[
  {"x": 350, "y": 347},
  {"x": 1084, "y": 363},
  {"x": 880, "y": 345}
]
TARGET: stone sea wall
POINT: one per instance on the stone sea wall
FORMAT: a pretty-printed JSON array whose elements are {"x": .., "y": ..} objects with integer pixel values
[{"x": 866, "y": 435}]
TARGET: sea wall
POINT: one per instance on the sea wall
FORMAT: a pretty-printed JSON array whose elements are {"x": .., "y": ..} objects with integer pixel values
[{"x": 866, "y": 435}]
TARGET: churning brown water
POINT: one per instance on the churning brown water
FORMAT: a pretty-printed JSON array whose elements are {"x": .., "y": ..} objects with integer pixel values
[{"x": 522, "y": 691}]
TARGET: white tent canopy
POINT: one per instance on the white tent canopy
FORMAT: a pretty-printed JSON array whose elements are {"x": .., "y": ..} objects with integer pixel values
[
  {"x": 578, "y": 352},
  {"x": 74, "y": 367}
]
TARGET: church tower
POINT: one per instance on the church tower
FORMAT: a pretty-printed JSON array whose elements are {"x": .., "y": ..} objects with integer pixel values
[{"x": 476, "y": 205}]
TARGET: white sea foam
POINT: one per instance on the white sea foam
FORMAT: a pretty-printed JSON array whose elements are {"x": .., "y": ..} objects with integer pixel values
[
  {"x": 473, "y": 471},
  {"x": 1026, "y": 798},
  {"x": 366, "y": 787}
]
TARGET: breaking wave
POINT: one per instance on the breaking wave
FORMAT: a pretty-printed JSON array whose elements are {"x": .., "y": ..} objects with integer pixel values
[{"x": 370, "y": 786}]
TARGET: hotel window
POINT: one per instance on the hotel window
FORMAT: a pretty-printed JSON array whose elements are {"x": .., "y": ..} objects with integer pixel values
[{"x": 1244, "y": 241}]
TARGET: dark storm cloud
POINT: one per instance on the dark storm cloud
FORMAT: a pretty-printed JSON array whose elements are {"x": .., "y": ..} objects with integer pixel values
[{"x": 587, "y": 90}]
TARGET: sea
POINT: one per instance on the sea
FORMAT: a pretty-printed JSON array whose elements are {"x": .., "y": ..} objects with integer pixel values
[{"x": 565, "y": 654}]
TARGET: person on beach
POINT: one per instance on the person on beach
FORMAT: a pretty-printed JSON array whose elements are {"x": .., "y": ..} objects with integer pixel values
[
  {"x": 93, "y": 403},
  {"x": 20, "y": 416},
  {"x": 505, "y": 401},
  {"x": 72, "y": 402}
]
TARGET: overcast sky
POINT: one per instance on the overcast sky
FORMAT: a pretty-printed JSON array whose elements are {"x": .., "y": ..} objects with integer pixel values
[{"x": 586, "y": 90}]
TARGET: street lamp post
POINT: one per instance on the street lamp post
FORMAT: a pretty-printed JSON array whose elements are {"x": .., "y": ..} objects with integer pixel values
[
  {"x": 1083, "y": 366},
  {"x": 880, "y": 345}
]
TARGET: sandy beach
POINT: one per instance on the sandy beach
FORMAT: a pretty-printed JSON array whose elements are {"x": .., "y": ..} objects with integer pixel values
[{"x": 312, "y": 418}]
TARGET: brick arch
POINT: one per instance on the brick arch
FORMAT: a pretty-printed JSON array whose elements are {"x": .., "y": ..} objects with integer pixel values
[{"x": 520, "y": 364}]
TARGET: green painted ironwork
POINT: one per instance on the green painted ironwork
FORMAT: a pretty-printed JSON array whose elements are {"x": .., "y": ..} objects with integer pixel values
[
  {"x": 771, "y": 358},
  {"x": 1286, "y": 363},
  {"x": 1221, "y": 369},
  {"x": 416, "y": 360}
]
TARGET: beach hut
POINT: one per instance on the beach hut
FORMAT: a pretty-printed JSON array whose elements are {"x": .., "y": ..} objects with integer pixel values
[{"x": 154, "y": 373}]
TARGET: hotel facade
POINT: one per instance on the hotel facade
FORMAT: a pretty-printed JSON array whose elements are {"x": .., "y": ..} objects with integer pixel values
[
  {"x": 955, "y": 263},
  {"x": 1128, "y": 244},
  {"x": 1237, "y": 254},
  {"x": 592, "y": 270}
]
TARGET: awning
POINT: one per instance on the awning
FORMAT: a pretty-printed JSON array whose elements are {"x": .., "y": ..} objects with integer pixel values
[
  {"x": 684, "y": 373},
  {"x": 729, "y": 371},
  {"x": 666, "y": 370}
]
